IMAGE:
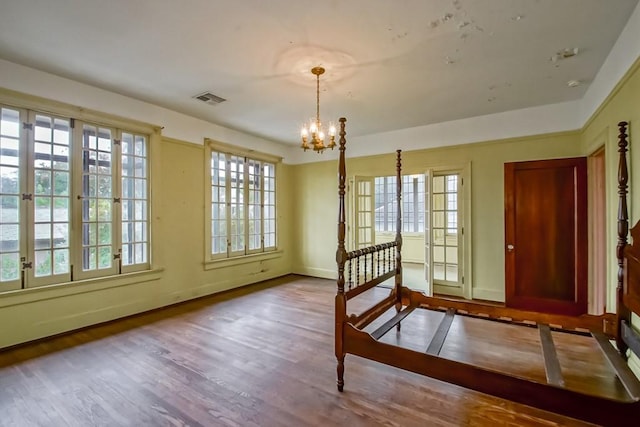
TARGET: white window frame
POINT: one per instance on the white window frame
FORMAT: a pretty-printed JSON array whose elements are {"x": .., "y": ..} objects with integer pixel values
[
  {"x": 247, "y": 155},
  {"x": 464, "y": 232},
  {"x": 28, "y": 106}
]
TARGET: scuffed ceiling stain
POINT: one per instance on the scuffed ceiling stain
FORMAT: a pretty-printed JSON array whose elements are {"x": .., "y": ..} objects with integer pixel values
[{"x": 564, "y": 54}]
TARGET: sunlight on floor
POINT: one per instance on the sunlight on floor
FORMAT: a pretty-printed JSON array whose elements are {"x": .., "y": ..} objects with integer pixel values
[{"x": 413, "y": 276}]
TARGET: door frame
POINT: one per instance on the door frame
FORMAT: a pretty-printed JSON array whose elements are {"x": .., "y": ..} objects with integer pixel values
[
  {"x": 465, "y": 290},
  {"x": 598, "y": 220}
]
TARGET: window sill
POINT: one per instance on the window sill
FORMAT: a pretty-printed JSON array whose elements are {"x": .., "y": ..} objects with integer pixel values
[
  {"x": 242, "y": 259},
  {"x": 59, "y": 290}
]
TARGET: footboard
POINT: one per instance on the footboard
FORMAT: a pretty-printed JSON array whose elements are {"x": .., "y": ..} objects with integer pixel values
[{"x": 368, "y": 267}]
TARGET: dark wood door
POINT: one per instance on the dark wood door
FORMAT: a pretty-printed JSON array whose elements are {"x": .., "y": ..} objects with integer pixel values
[{"x": 546, "y": 235}]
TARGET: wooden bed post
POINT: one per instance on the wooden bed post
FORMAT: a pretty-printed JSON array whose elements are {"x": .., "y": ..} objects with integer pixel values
[
  {"x": 398, "y": 283},
  {"x": 622, "y": 313},
  {"x": 341, "y": 259}
]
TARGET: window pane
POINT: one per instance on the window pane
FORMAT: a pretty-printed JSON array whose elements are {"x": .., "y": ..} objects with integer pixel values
[
  {"x": 42, "y": 207},
  {"x": 242, "y": 204},
  {"x": 452, "y": 183},
  {"x": 10, "y": 129},
  {"x": 9, "y": 122},
  {"x": 51, "y": 188},
  {"x": 9, "y": 150},
  {"x": 104, "y": 257},
  {"x": 42, "y": 265},
  {"x": 9, "y": 234},
  {"x": 10, "y": 266},
  {"x": 451, "y": 273},
  {"x": 134, "y": 200},
  {"x": 42, "y": 182},
  {"x": 438, "y": 184},
  {"x": 61, "y": 261},
  {"x": 445, "y": 227}
]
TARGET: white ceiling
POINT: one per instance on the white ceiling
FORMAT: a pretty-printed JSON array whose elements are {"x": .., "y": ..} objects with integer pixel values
[{"x": 390, "y": 64}]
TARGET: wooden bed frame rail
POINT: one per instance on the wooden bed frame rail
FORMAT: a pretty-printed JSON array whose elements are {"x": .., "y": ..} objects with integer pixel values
[{"x": 368, "y": 267}]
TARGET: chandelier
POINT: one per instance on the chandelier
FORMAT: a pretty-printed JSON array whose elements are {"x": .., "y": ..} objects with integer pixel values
[{"x": 313, "y": 135}]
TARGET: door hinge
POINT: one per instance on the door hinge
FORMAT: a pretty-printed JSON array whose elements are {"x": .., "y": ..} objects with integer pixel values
[
  {"x": 26, "y": 196},
  {"x": 72, "y": 123},
  {"x": 462, "y": 231},
  {"x": 26, "y": 265},
  {"x": 116, "y": 200},
  {"x": 27, "y": 126},
  {"x": 117, "y": 141},
  {"x": 463, "y": 280}
]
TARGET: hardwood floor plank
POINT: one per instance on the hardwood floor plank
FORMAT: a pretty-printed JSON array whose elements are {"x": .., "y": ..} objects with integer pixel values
[{"x": 256, "y": 356}]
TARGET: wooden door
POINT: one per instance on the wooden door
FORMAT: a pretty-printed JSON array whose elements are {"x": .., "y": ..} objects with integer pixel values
[{"x": 546, "y": 235}]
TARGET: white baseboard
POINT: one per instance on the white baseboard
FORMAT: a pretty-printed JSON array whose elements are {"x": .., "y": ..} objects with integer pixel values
[
  {"x": 38, "y": 326},
  {"x": 322, "y": 273},
  {"x": 220, "y": 286},
  {"x": 488, "y": 294}
]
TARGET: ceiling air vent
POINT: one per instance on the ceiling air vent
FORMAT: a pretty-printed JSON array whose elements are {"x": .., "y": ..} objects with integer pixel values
[{"x": 210, "y": 98}]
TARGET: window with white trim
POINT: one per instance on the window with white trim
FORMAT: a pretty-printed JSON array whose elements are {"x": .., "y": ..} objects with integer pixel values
[
  {"x": 412, "y": 203},
  {"x": 243, "y": 205},
  {"x": 73, "y": 199}
]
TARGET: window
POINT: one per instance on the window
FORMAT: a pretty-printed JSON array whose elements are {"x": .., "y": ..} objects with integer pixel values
[
  {"x": 412, "y": 203},
  {"x": 446, "y": 242},
  {"x": 73, "y": 199},
  {"x": 243, "y": 205}
]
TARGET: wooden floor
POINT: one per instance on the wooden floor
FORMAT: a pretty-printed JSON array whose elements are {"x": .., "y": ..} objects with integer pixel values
[{"x": 258, "y": 356}]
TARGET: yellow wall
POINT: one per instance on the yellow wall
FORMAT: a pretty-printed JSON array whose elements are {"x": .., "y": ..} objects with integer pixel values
[
  {"x": 316, "y": 200},
  {"x": 177, "y": 188},
  {"x": 622, "y": 105},
  {"x": 307, "y": 216}
]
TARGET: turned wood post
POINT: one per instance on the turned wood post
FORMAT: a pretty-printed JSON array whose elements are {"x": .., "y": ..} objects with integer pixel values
[
  {"x": 398, "y": 278},
  {"x": 622, "y": 313},
  {"x": 341, "y": 259}
]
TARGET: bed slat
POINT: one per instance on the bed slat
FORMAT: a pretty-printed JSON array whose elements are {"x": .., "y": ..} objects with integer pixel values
[
  {"x": 551, "y": 364},
  {"x": 441, "y": 334},
  {"x": 622, "y": 370},
  {"x": 378, "y": 333}
]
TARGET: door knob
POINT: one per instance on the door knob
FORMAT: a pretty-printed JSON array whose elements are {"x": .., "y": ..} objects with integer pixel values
[{"x": 510, "y": 248}]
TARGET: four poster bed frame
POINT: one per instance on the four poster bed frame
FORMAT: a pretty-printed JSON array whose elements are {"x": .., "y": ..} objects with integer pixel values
[{"x": 378, "y": 263}]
